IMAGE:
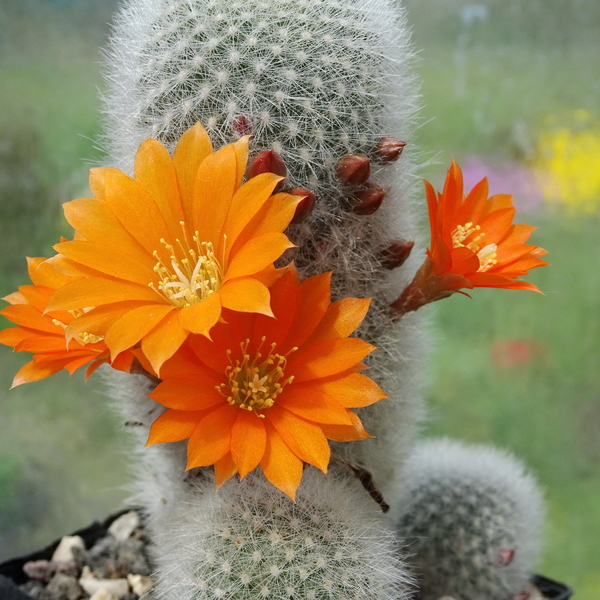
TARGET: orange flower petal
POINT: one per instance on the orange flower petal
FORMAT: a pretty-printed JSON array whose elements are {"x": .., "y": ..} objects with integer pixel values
[
  {"x": 313, "y": 299},
  {"x": 193, "y": 393},
  {"x": 27, "y": 316},
  {"x": 155, "y": 172},
  {"x": 306, "y": 440},
  {"x": 248, "y": 201},
  {"x": 341, "y": 319},
  {"x": 200, "y": 318},
  {"x": 193, "y": 147},
  {"x": 314, "y": 405},
  {"x": 211, "y": 439},
  {"x": 327, "y": 358},
  {"x": 224, "y": 469},
  {"x": 98, "y": 320},
  {"x": 94, "y": 291},
  {"x": 14, "y": 335},
  {"x": 32, "y": 372},
  {"x": 133, "y": 326},
  {"x": 279, "y": 464},
  {"x": 97, "y": 224},
  {"x": 174, "y": 426},
  {"x": 248, "y": 441},
  {"x": 37, "y": 295},
  {"x": 351, "y": 390},
  {"x": 164, "y": 340},
  {"x": 216, "y": 183},
  {"x": 109, "y": 261},
  {"x": 246, "y": 295},
  {"x": 346, "y": 433},
  {"x": 256, "y": 254},
  {"x": 135, "y": 209}
]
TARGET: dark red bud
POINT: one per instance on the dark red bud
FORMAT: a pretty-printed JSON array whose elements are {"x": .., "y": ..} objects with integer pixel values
[
  {"x": 389, "y": 149},
  {"x": 242, "y": 125},
  {"x": 267, "y": 161},
  {"x": 368, "y": 199},
  {"x": 505, "y": 557},
  {"x": 305, "y": 206},
  {"x": 395, "y": 254},
  {"x": 353, "y": 169}
]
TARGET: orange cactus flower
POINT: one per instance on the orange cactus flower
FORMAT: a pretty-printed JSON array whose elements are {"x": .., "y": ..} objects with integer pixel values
[
  {"x": 474, "y": 243},
  {"x": 43, "y": 333},
  {"x": 160, "y": 255},
  {"x": 270, "y": 392}
]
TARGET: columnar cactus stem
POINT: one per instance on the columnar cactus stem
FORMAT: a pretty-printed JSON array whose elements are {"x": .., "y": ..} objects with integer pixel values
[{"x": 313, "y": 81}]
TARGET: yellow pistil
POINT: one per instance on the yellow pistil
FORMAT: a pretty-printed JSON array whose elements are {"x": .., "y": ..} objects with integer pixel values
[
  {"x": 193, "y": 274},
  {"x": 255, "y": 382}
]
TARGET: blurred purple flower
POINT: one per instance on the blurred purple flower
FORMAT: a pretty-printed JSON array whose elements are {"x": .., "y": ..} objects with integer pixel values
[{"x": 509, "y": 177}]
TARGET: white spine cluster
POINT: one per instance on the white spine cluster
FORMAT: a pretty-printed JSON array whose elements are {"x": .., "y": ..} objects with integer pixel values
[
  {"x": 313, "y": 80},
  {"x": 471, "y": 518},
  {"x": 250, "y": 542}
]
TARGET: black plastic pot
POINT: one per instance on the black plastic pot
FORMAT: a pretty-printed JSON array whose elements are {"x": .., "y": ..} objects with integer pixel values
[{"x": 552, "y": 589}]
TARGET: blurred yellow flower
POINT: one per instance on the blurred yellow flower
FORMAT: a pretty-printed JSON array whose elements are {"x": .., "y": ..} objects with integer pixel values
[{"x": 569, "y": 163}]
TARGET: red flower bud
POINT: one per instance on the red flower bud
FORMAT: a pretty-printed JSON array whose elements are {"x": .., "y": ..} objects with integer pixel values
[
  {"x": 389, "y": 149},
  {"x": 306, "y": 205},
  {"x": 353, "y": 169},
  {"x": 266, "y": 161},
  {"x": 242, "y": 125},
  {"x": 505, "y": 557},
  {"x": 395, "y": 254},
  {"x": 368, "y": 199}
]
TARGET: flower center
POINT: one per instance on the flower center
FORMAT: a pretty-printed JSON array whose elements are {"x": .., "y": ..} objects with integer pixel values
[
  {"x": 255, "y": 382},
  {"x": 193, "y": 274},
  {"x": 486, "y": 255}
]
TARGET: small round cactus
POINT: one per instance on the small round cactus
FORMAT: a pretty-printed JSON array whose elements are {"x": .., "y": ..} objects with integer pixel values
[
  {"x": 471, "y": 518},
  {"x": 248, "y": 541}
]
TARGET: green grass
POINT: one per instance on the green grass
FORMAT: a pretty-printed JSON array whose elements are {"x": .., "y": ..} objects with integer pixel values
[{"x": 487, "y": 91}]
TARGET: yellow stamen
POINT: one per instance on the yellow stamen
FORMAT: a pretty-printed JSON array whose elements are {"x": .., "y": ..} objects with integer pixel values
[
  {"x": 193, "y": 274},
  {"x": 253, "y": 382},
  {"x": 486, "y": 255}
]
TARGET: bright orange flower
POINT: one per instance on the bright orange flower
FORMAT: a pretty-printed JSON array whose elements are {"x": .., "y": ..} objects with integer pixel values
[
  {"x": 473, "y": 244},
  {"x": 43, "y": 333},
  {"x": 160, "y": 255},
  {"x": 270, "y": 392}
]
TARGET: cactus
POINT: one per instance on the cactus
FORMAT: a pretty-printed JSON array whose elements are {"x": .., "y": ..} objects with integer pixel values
[
  {"x": 316, "y": 81},
  {"x": 471, "y": 517},
  {"x": 319, "y": 83},
  {"x": 249, "y": 541}
]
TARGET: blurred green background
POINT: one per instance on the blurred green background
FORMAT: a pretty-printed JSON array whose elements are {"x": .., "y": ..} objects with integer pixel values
[{"x": 511, "y": 89}]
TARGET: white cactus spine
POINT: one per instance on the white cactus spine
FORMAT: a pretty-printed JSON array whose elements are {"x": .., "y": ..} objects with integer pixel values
[{"x": 471, "y": 517}]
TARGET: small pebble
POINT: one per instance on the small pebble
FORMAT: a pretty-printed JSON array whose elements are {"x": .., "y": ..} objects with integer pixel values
[
  {"x": 118, "y": 587},
  {"x": 44, "y": 570},
  {"x": 64, "y": 587},
  {"x": 139, "y": 584},
  {"x": 66, "y": 547},
  {"x": 125, "y": 525},
  {"x": 103, "y": 594}
]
